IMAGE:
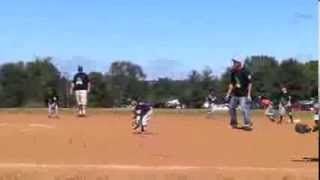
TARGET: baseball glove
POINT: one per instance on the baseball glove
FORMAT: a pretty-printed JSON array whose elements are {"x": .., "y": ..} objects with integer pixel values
[{"x": 302, "y": 128}]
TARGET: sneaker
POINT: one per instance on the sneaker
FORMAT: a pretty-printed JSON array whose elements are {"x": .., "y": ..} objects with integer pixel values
[
  {"x": 136, "y": 126},
  {"x": 315, "y": 128},
  {"x": 272, "y": 120},
  {"x": 234, "y": 126},
  {"x": 247, "y": 128}
]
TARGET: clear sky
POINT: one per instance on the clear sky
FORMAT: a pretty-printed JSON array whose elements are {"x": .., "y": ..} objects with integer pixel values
[{"x": 166, "y": 37}]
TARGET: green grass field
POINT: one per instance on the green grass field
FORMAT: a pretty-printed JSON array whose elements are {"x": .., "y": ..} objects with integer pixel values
[{"x": 302, "y": 115}]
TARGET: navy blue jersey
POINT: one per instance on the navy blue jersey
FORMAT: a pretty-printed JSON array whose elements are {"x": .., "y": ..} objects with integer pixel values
[
  {"x": 142, "y": 109},
  {"x": 211, "y": 99},
  {"x": 53, "y": 100},
  {"x": 81, "y": 81}
]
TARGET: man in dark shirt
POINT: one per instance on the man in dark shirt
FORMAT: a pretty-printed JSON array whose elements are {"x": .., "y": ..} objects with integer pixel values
[
  {"x": 142, "y": 114},
  {"x": 285, "y": 105},
  {"x": 81, "y": 87},
  {"x": 239, "y": 93}
]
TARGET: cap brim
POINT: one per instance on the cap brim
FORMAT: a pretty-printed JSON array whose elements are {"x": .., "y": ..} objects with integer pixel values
[{"x": 235, "y": 61}]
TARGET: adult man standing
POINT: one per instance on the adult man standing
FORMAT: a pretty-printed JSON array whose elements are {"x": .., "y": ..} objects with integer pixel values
[
  {"x": 81, "y": 87},
  {"x": 239, "y": 93}
]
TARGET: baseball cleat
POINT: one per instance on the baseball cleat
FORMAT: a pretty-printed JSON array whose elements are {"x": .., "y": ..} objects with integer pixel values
[
  {"x": 315, "y": 128},
  {"x": 247, "y": 128},
  {"x": 136, "y": 126},
  {"x": 234, "y": 126}
]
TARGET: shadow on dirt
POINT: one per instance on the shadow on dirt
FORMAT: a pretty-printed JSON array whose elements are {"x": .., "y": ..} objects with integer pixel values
[
  {"x": 307, "y": 160},
  {"x": 144, "y": 133},
  {"x": 243, "y": 129}
]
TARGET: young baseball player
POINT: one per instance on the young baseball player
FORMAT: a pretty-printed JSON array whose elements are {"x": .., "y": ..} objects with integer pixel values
[
  {"x": 285, "y": 105},
  {"x": 211, "y": 99},
  {"x": 53, "y": 106},
  {"x": 81, "y": 87},
  {"x": 271, "y": 112},
  {"x": 316, "y": 117},
  {"x": 142, "y": 115},
  {"x": 302, "y": 128}
]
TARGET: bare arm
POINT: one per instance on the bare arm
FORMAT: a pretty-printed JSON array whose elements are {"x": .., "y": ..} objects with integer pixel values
[
  {"x": 249, "y": 89},
  {"x": 71, "y": 88},
  {"x": 89, "y": 87},
  {"x": 229, "y": 90},
  {"x": 289, "y": 101}
]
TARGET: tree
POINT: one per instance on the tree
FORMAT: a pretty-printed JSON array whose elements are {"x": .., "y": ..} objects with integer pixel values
[
  {"x": 199, "y": 86},
  {"x": 42, "y": 75},
  {"x": 224, "y": 82},
  {"x": 27, "y": 84},
  {"x": 163, "y": 90},
  {"x": 65, "y": 98},
  {"x": 292, "y": 75},
  {"x": 99, "y": 93},
  {"x": 13, "y": 78},
  {"x": 127, "y": 81},
  {"x": 264, "y": 70},
  {"x": 311, "y": 71}
]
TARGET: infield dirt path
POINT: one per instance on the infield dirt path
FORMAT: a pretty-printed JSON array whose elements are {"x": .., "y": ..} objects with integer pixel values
[{"x": 178, "y": 146}]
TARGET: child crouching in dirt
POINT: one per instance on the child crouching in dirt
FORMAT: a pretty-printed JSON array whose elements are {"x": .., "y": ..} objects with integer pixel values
[
  {"x": 271, "y": 112},
  {"x": 53, "y": 106},
  {"x": 142, "y": 115},
  {"x": 302, "y": 128},
  {"x": 211, "y": 100},
  {"x": 51, "y": 99}
]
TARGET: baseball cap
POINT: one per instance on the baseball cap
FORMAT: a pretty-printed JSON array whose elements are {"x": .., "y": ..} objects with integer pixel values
[
  {"x": 80, "y": 68},
  {"x": 237, "y": 59}
]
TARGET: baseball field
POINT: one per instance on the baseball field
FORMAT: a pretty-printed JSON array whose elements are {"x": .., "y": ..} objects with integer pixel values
[{"x": 179, "y": 145}]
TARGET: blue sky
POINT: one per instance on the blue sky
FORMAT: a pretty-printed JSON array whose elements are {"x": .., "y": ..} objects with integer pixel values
[{"x": 166, "y": 37}]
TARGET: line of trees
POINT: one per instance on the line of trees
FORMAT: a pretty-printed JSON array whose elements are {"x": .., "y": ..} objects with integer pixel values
[{"x": 27, "y": 84}]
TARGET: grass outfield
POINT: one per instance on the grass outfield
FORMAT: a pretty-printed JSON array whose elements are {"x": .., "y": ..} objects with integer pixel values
[{"x": 302, "y": 115}]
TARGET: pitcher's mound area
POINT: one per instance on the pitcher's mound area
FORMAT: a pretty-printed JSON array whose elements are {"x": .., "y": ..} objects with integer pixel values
[{"x": 178, "y": 146}]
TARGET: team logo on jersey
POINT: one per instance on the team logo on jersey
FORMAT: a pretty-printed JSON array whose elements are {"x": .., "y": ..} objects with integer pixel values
[
  {"x": 79, "y": 81},
  {"x": 238, "y": 83}
]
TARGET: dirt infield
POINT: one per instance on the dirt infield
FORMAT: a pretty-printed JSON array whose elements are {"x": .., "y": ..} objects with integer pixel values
[{"x": 178, "y": 146}]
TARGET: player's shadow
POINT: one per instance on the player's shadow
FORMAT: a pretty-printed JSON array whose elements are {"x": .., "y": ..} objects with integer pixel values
[
  {"x": 148, "y": 133},
  {"x": 307, "y": 160},
  {"x": 242, "y": 129}
]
